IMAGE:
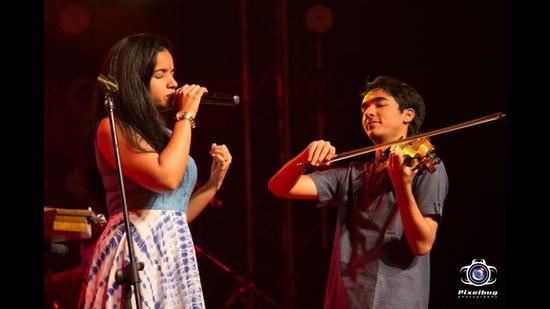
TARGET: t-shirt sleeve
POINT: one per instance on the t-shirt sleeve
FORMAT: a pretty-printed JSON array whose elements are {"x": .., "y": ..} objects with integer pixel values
[
  {"x": 430, "y": 191},
  {"x": 329, "y": 184}
]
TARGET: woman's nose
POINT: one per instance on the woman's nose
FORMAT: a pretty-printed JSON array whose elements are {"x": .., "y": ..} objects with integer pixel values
[{"x": 172, "y": 83}]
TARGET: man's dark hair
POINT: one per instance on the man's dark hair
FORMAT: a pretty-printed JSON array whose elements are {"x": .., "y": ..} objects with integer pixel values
[{"x": 405, "y": 95}]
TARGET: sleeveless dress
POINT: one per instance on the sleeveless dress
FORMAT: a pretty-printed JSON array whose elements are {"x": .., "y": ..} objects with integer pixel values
[{"x": 162, "y": 241}]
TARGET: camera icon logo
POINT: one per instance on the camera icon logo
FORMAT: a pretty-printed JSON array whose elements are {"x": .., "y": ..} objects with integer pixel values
[{"x": 478, "y": 273}]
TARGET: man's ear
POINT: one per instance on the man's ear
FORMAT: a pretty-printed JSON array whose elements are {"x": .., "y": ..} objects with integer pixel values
[{"x": 408, "y": 115}]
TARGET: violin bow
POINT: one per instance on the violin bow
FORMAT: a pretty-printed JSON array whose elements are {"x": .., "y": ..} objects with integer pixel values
[{"x": 364, "y": 150}]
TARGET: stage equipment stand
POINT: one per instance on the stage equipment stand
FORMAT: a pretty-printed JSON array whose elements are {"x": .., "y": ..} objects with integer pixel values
[
  {"x": 128, "y": 276},
  {"x": 246, "y": 285}
]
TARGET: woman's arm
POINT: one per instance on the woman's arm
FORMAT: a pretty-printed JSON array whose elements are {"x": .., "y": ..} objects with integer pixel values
[
  {"x": 221, "y": 159},
  {"x": 159, "y": 172}
]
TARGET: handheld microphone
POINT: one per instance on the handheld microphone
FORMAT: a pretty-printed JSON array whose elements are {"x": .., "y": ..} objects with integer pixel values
[
  {"x": 218, "y": 98},
  {"x": 215, "y": 98}
]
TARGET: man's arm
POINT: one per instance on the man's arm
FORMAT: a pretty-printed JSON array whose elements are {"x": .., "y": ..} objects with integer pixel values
[
  {"x": 420, "y": 230},
  {"x": 290, "y": 182}
]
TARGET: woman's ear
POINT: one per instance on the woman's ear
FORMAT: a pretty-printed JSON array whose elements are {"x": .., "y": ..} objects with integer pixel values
[{"x": 408, "y": 115}]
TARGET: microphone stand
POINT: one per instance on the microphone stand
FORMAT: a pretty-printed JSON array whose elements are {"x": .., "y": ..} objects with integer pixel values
[{"x": 128, "y": 276}]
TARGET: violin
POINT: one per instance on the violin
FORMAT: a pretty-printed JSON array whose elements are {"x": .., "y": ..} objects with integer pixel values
[
  {"x": 417, "y": 147},
  {"x": 421, "y": 151}
]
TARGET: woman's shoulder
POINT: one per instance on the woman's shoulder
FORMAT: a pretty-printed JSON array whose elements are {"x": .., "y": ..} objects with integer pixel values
[
  {"x": 104, "y": 136},
  {"x": 103, "y": 126},
  {"x": 103, "y": 130}
]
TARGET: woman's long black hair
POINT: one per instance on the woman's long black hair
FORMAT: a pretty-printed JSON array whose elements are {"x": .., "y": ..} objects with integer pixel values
[{"x": 131, "y": 63}]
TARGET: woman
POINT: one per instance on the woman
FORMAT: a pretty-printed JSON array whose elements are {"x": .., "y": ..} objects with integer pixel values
[{"x": 159, "y": 177}]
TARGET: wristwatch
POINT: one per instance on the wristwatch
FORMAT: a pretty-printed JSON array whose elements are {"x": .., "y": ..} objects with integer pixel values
[{"x": 181, "y": 115}]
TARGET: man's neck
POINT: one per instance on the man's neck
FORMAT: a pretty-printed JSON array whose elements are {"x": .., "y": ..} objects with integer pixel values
[
  {"x": 387, "y": 140},
  {"x": 381, "y": 154}
]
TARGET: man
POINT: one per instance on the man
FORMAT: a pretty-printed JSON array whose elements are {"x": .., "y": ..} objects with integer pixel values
[{"x": 388, "y": 208}]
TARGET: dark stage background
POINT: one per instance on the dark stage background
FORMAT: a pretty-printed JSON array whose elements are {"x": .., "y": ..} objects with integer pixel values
[{"x": 454, "y": 53}]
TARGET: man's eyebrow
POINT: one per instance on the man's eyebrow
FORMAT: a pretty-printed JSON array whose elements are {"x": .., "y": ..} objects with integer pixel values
[{"x": 375, "y": 99}]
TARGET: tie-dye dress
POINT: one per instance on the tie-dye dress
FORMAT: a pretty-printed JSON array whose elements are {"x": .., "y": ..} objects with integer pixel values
[{"x": 162, "y": 241}]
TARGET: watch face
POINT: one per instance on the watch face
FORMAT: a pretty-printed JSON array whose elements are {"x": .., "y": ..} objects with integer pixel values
[
  {"x": 187, "y": 116},
  {"x": 182, "y": 115}
]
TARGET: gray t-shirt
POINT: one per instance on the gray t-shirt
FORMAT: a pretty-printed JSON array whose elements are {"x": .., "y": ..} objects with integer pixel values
[{"x": 377, "y": 266}]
